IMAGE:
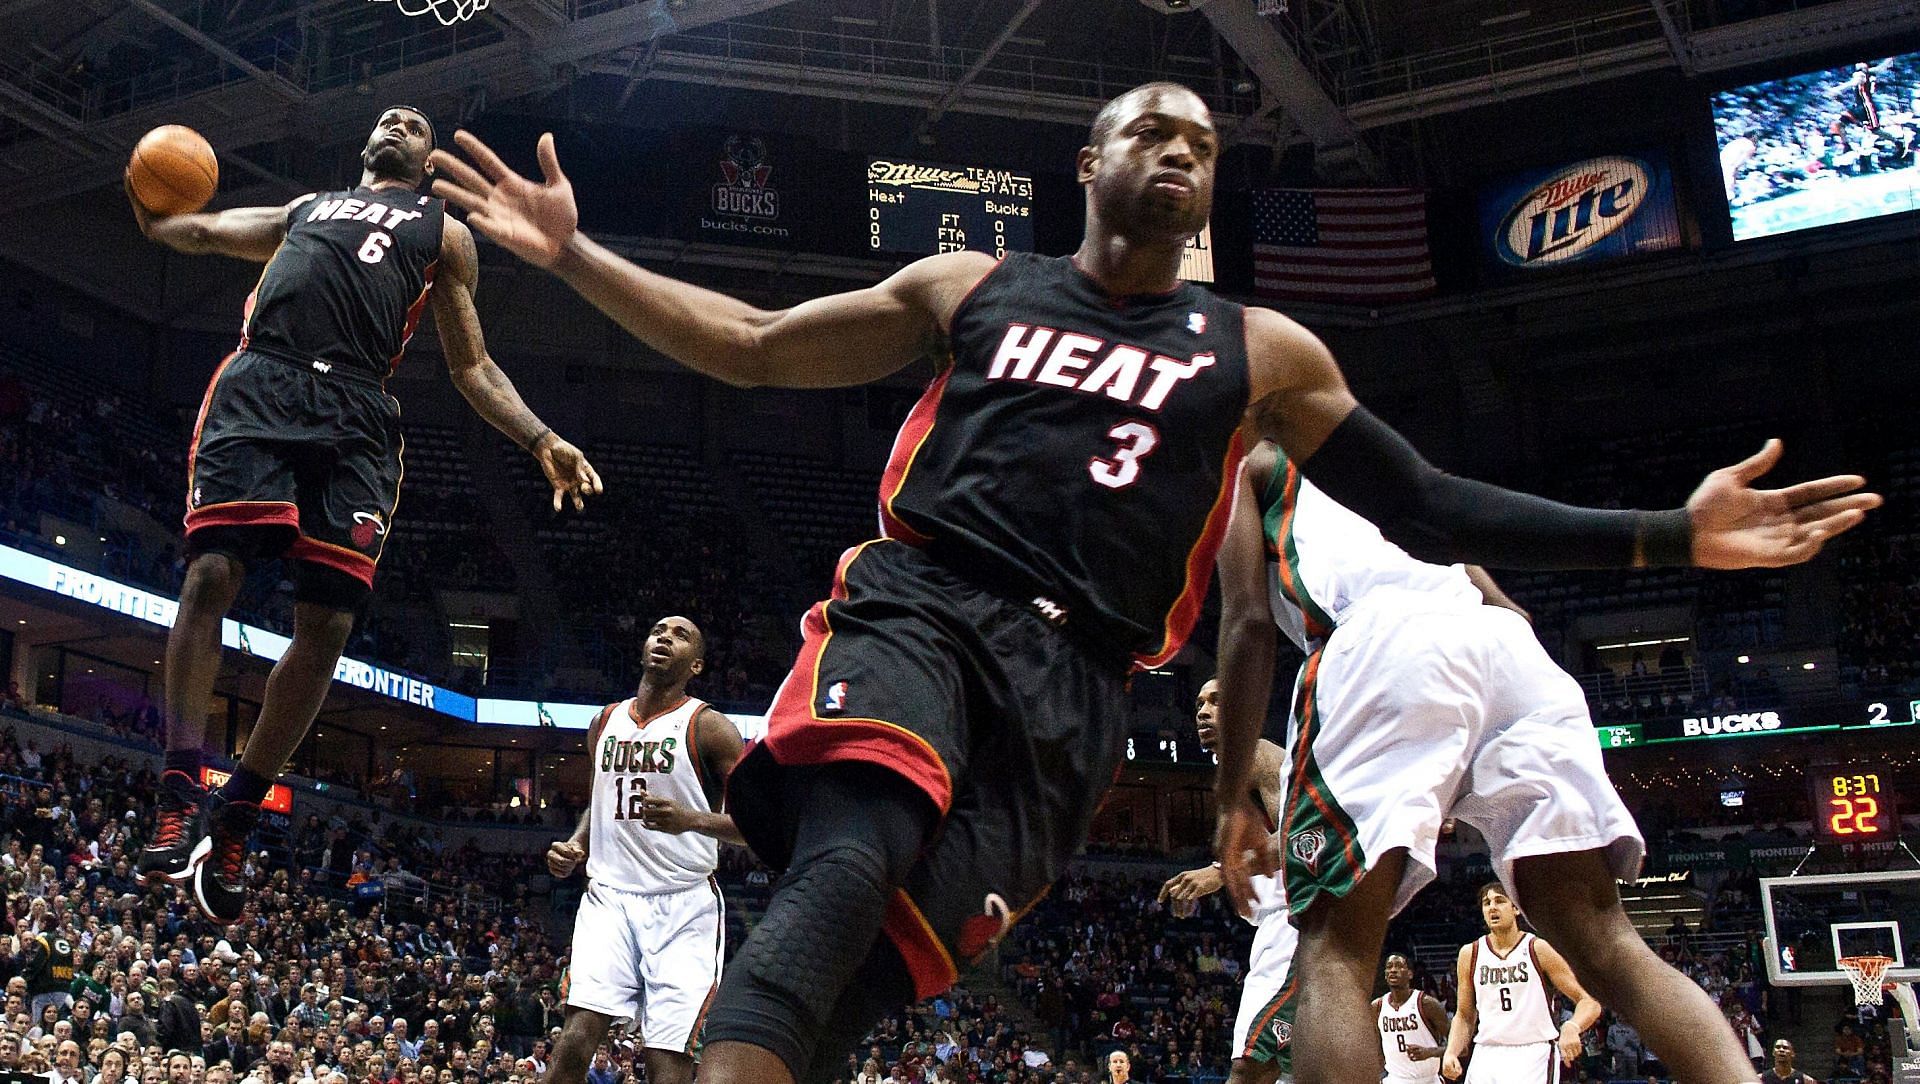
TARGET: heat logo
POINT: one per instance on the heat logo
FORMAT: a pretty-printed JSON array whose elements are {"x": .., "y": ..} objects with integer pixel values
[
  {"x": 1571, "y": 211},
  {"x": 367, "y": 526}
]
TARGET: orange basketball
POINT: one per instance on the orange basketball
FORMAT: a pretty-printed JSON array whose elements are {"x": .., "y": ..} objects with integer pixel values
[{"x": 173, "y": 170}]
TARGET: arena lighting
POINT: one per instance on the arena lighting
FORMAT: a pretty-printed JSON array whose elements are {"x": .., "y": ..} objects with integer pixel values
[
  {"x": 79, "y": 585},
  {"x": 1744, "y": 658},
  {"x": 1806, "y": 666}
]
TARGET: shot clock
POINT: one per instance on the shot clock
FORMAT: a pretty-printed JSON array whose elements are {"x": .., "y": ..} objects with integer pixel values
[{"x": 1854, "y": 803}]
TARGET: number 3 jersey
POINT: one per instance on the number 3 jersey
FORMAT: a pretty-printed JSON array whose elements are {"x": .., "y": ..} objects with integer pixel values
[
  {"x": 347, "y": 285},
  {"x": 634, "y": 756},
  {"x": 1078, "y": 451}
]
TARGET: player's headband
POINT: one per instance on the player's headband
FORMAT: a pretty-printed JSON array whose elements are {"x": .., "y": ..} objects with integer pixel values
[{"x": 424, "y": 119}]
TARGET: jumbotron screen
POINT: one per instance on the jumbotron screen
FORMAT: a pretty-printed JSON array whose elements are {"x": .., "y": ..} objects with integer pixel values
[{"x": 1826, "y": 147}]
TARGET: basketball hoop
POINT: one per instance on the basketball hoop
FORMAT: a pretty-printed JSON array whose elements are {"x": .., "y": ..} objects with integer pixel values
[
  {"x": 1867, "y": 974},
  {"x": 447, "y": 11}
]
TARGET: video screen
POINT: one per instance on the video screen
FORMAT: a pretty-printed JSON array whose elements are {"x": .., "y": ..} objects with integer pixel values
[{"x": 1822, "y": 148}]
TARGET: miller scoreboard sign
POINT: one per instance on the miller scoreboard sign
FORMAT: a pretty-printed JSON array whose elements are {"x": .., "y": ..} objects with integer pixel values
[{"x": 1585, "y": 212}]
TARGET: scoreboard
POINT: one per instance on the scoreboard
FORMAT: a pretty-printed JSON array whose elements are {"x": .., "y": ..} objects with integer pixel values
[
  {"x": 1853, "y": 803},
  {"x": 924, "y": 208}
]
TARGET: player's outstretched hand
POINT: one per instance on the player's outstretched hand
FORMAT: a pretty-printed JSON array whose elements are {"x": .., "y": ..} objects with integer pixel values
[
  {"x": 1450, "y": 1067},
  {"x": 1244, "y": 847},
  {"x": 564, "y": 856},
  {"x": 534, "y": 220},
  {"x": 1191, "y": 885},
  {"x": 567, "y": 471},
  {"x": 1738, "y": 526}
]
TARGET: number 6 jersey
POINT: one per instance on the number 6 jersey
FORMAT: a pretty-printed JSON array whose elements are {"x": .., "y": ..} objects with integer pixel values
[
  {"x": 632, "y": 758},
  {"x": 1079, "y": 447}
]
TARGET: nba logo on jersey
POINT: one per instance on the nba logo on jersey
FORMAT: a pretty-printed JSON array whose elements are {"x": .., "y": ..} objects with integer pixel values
[
  {"x": 836, "y": 696},
  {"x": 1307, "y": 845},
  {"x": 1197, "y": 323}
]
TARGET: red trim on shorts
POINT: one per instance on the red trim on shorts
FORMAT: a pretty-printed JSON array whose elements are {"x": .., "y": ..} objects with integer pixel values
[
  {"x": 1185, "y": 610},
  {"x": 906, "y": 447},
  {"x": 326, "y": 554},
  {"x": 200, "y": 419},
  {"x": 927, "y": 959},
  {"x": 719, "y": 951},
  {"x": 1281, "y": 999},
  {"x": 245, "y": 514},
  {"x": 797, "y": 734}
]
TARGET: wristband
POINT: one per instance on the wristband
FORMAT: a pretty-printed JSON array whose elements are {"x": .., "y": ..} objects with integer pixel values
[
  {"x": 544, "y": 432},
  {"x": 1665, "y": 539}
]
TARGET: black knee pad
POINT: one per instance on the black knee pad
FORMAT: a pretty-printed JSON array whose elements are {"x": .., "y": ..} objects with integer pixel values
[
  {"x": 822, "y": 922},
  {"x": 324, "y": 585},
  {"x": 248, "y": 544},
  {"x": 782, "y": 988}
]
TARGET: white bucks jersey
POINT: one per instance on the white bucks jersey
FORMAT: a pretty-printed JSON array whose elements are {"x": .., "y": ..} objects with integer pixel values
[
  {"x": 632, "y": 758},
  {"x": 1401, "y": 1030},
  {"x": 1322, "y": 559},
  {"x": 1511, "y": 995}
]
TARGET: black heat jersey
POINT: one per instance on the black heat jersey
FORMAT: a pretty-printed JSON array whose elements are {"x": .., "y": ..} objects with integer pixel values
[
  {"x": 347, "y": 286},
  {"x": 1080, "y": 447}
]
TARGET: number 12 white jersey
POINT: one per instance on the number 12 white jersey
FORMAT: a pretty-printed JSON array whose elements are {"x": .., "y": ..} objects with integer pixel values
[
  {"x": 632, "y": 758},
  {"x": 1511, "y": 995}
]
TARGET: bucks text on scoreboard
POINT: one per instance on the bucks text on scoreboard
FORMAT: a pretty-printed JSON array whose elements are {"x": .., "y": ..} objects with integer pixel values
[{"x": 924, "y": 208}]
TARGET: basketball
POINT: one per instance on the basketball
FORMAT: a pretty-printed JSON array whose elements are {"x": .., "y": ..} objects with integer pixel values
[{"x": 173, "y": 170}]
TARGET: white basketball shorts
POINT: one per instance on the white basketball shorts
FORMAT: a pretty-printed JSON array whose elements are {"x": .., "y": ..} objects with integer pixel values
[
  {"x": 1419, "y": 709},
  {"x": 1263, "y": 1029},
  {"x": 650, "y": 957},
  {"x": 1534, "y": 1063}
]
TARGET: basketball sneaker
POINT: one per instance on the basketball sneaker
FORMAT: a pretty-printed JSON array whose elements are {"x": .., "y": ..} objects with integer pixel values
[
  {"x": 176, "y": 828},
  {"x": 220, "y": 859}
]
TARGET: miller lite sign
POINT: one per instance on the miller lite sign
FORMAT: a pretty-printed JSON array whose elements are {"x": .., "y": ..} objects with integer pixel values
[{"x": 1596, "y": 209}]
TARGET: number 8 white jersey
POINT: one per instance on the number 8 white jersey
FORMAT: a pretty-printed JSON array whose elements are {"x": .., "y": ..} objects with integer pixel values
[
  {"x": 1402, "y": 1029},
  {"x": 1511, "y": 995},
  {"x": 632, "y": 758}
]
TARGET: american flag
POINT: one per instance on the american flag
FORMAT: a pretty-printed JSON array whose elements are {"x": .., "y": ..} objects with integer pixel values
[{"x": 1353, "y": 245}]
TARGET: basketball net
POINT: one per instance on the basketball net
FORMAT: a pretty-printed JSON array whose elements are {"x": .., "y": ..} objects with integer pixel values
[
  {"x": 447, "y": 11},
  {"x": 1867, "y": 974}
]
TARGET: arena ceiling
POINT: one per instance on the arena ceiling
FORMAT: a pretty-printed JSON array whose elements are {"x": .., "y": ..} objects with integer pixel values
[{"x": 81, "y": 79}]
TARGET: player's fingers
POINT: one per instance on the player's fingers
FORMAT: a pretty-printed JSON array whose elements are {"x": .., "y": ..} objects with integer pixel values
[
  {"x": 448, "y": 168},
  {"x": 460, "y": 197},
  {"x": 1852, "y": 502},
  {"x": 558, "y": 491},
  {"x": 483, "y": 157},
  {"x": 1758, "y": 463},
  {"x": 593, "y": 479},
  {"x": 1820, "y": 489},
  {"x": 549, "y": 160}
]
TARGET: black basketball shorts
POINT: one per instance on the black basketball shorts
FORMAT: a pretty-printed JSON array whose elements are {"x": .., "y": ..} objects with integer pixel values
[
  {"x": 283, "y": 443},
  {"x": 1012, "y": 727}
]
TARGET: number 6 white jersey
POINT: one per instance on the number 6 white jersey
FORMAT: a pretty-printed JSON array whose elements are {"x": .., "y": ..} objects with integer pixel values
[
  {"x": 632, "y": 758},
  {"x": 1511, "y": 995}
]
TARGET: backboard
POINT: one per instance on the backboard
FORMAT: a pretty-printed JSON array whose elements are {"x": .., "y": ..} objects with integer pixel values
[{"x": 1813, "y": 921}]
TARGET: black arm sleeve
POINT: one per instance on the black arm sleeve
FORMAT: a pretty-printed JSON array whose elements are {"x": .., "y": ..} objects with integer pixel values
[{"x": 1438, "y": 517}]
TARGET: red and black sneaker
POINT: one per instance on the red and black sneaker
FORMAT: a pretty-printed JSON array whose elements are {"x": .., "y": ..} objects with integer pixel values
[
  {"x": 220, "y": 860},
  {"x": 176, "y": 828}
]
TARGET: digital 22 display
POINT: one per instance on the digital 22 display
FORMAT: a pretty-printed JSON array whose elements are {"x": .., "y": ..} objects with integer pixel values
[{"x": 1853, "y": 803}]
